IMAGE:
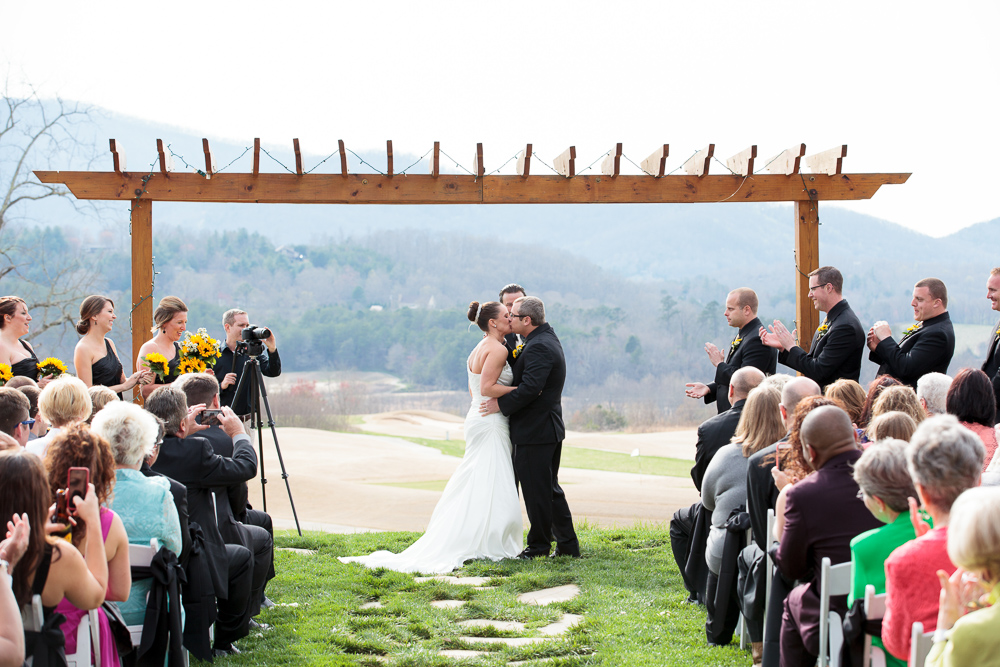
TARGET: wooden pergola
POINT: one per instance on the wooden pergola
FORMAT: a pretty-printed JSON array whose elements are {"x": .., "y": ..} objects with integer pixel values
[{"x": 782, "y": 181}]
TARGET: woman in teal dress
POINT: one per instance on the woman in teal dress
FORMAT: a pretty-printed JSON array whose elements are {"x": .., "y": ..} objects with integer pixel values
[
  {"x": 144, "y": 504},
  {"x": 886, "y": 485}
]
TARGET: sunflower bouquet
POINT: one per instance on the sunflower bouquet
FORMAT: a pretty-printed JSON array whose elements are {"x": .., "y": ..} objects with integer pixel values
[
  {"x": 198, "y": 352},
  {"x": 5, "y": 374},
  {"x": 157, "y": 363},
  {"x": 51, "y": 367}
]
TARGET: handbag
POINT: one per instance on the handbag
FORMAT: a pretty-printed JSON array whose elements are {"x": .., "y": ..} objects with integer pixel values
[{"x": 119, "y": 629}]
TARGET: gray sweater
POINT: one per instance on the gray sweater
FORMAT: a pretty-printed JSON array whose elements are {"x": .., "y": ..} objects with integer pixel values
[{"x": 723, "y": 490}]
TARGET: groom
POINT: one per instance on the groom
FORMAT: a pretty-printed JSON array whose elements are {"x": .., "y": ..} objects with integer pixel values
[{"x": 537, "y": 431}]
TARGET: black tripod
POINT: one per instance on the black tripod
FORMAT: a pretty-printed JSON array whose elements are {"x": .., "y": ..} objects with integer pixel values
[{"x": 251, "y": 369}]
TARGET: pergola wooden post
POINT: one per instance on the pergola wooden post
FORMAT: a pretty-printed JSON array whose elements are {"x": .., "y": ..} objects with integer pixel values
[{"x": 783, "y": 182}]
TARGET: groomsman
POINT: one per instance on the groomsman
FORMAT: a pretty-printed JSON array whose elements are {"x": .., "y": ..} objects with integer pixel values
[
  {"x": 926, "y": 347},
  {"x": 837, "y": 345},
  {"x": 745, "y": 350},
  {"x": 992, "y": 365}
]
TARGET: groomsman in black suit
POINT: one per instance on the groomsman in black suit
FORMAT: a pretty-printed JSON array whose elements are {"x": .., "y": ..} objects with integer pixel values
[
  {"x": 992, "y": 365},
  {"x": 926, "y": 347},
  {"x": 745, "y": 350},
  {"x": 537, "y": 430},
  {"x": 837, "y": 345}
]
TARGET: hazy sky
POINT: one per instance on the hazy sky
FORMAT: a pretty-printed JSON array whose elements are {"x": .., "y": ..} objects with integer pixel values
[{"x": 909, "y": 86}]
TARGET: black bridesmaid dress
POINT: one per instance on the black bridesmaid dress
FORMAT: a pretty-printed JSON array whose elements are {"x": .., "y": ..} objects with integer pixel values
[
  {"x": 107, "y": 370},
  {"x": 26, "y": 367}
]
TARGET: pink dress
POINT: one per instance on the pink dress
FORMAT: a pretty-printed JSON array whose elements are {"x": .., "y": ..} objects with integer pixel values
[
  {"x": 109, "y": 652},
  {"x": 989, "y": 438}
]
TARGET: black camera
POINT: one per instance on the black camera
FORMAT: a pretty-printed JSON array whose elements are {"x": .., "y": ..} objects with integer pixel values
[{"x": 253, "y": 332}]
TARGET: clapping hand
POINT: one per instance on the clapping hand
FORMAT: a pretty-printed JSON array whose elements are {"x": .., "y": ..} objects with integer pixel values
[
  {"x": 921, "y": 526},
  {"x": 16, "y": 544},
  {"x": 696, "y": 390},
  {"x": 714, "y": 354},
  {"x": 778, "y": 336}
]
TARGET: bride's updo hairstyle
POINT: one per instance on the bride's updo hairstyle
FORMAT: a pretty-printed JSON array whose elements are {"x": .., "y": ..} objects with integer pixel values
[{"x": 481, "y": 314}]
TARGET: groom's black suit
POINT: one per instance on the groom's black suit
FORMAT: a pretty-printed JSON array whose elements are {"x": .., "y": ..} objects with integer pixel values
[{"x": 537, "y": 432}]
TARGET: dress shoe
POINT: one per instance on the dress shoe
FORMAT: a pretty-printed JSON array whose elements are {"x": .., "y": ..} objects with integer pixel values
[
  {"x": 222, "y": 650},
  {"x": 257, "y": 625},
  {"x": 267, "y": 602},
  {"x": 557, "y": 553},
  {"x": 528, "y": 555}
]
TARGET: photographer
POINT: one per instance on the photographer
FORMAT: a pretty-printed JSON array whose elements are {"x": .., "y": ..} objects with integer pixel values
[{"x": 229, "y": 367}]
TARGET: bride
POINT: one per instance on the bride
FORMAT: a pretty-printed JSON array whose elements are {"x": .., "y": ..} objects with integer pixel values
[{"x": 479, "y": 515}]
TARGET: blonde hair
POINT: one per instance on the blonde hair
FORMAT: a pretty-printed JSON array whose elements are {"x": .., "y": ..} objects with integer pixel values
[
  {"x": 165, "y": 311},
  {"x": 974, "y": 531},
  {"x": 760, "y": 423},
  {"x": 900, "y": 398},
  {"x": 99, "y": 397},
  {"x": 850, "y": 394},
  {"x": 65, "y": 401},
  {"x": 895, "y": 424}
]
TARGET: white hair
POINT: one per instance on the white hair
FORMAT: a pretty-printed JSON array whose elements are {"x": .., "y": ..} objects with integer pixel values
[
  {"x": 130, "y": 430},
  {"x": 933, "y": 389},
  {"x": 945, "y": 458}
]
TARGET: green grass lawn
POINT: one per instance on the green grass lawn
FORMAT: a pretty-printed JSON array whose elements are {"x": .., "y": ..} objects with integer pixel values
[
  {"x": 581, "y": 457},
  {"x": 631, "y": 603}
]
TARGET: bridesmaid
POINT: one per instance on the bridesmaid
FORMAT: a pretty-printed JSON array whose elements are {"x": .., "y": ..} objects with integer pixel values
[
  {"x": 14, "y": 319},
  {"x": 170, "y": 322},
  {"x": 95, "y": 357}
]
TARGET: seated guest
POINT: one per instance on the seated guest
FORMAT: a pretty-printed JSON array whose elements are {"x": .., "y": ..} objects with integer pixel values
[
  {"x": 724, "y": 490},
  {"x": 40, "y": 427},
  {"x": 886, "y": 486},
  {"x": 970, "y": 398},
  {"x": 925, "y": 347},
  {"x": 822, "y": 515},
  {"x": 50, "y": 567},
  {"x": 896, "y": 399},
  {"x": 896, "y": 425},
  {"x": 875, "y": 389},
  {"x": 11, "y": 628},
  {"x": 191, "y": 461},
  {"x": 974, "y": 546},
  {"x": 80, "y": 448},
  {"x": 19, "y": 381},
  {"x": 713, "y": 434},
  {"x": 850, "y": 395},
  {"x": 99, "y": 397},
  {"x": 944, "y": 459},
  {"x": 95, "y": 357},
  {"x": 932, "y": 392},
  {"x": 7, "y": 442},
  {"x": 238, "y": 523},
  {"x": 14, "y": 420},
  {"x": 144, "y": 505},
  {"x": 64, "y": 403}
]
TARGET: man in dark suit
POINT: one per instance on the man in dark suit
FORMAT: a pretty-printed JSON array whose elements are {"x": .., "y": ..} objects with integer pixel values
[
  {"x": 191, "y": 461},
  {"x": 745, "y": 350},
  {"x": 926, "y": 347},
  {"x": 839, "y": 342},
  {"x": 508, "y": 295},
  {"x": 713, "y": 434},
  {"x": 992, "y": 364},
  {"x": 238, "y": 523},
  {"x": 822, "y": 514},
  {"x": 537, "y": 430}
]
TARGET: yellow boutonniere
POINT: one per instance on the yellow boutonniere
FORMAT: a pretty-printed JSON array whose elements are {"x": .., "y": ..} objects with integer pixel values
[
  {"x": 823, "y": 328},
  {"x": 51, "y": 366},
  {"x": 517, "y": 350},
  {"x": 736, "y": 343},
  {"x": 912, "y": 328},
  {"x": 5, "y": 373}
]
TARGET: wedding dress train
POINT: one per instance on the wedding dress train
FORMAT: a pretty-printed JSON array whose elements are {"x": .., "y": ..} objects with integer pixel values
[{"x": 479, "y": 514}]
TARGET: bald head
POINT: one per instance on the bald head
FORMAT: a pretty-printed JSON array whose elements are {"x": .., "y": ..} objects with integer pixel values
[
  {"x": 744, "y": 381},
  {"x": 827, "y": 430},
  {"x": 795, "y": 390}
]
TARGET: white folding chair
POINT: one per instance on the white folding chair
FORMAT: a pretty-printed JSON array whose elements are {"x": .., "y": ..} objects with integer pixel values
[
  {"x": 87, "y": 634},
  {"x": 767, "y": 559},
  {"x": 834, "y": 580},
  {"x": 742, "y": 630},
  {"x": 140, "y": 555},
  {"x": 921, "y": 644},
  {"x": 874, "y": 611}
]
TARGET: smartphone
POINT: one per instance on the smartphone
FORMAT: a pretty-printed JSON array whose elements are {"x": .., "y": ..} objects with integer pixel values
[
  {"x": 77, "y": 480},
  {"x": 781, "y": 449},
  {"x": 209, "y": 417}
]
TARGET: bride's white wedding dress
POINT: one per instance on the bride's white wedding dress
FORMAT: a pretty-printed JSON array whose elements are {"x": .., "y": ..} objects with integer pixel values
[{"x": 479, "y": 515}]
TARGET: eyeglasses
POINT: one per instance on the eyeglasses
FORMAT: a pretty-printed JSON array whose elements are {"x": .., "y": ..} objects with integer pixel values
[
  {"x": 519, "y": 316},
  {"x": 29, "y": 422},
  {"x": 816, "y": 287}
]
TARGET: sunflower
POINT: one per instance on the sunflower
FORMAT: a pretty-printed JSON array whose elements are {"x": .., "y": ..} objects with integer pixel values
[
  {"x": 51, "y": 366},
  {"x": 5, "y": 373},
  {"x": 191, "y": 365},
  {"x": 157, "y": 363}
]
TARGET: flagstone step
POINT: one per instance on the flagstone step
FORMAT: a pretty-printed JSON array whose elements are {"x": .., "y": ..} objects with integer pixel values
[
  {"x": 371, "y": 605},
  {"x": 301, "y": 552},
  {"x": 547, "y": 596},
  {"x": 461, "y": 581},
  {"x": 447, "y": 604},
  {"x": 506, "y": 626},
  {"x": 458, "y": 654},
  {"x": 506, "y": 641},
  {"x": 562, "y": 625}
]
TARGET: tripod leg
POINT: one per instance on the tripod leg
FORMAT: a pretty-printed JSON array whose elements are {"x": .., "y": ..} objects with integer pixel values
[{"x": 277, "y": 448}]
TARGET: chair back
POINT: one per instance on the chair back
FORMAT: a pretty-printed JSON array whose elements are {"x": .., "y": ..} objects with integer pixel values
[
  {"x": 834, "y": 580},
  {"x": 873, "y": 656},
  {"x": 920, "y": 645},
  {"x": 140, "y": 555}
]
